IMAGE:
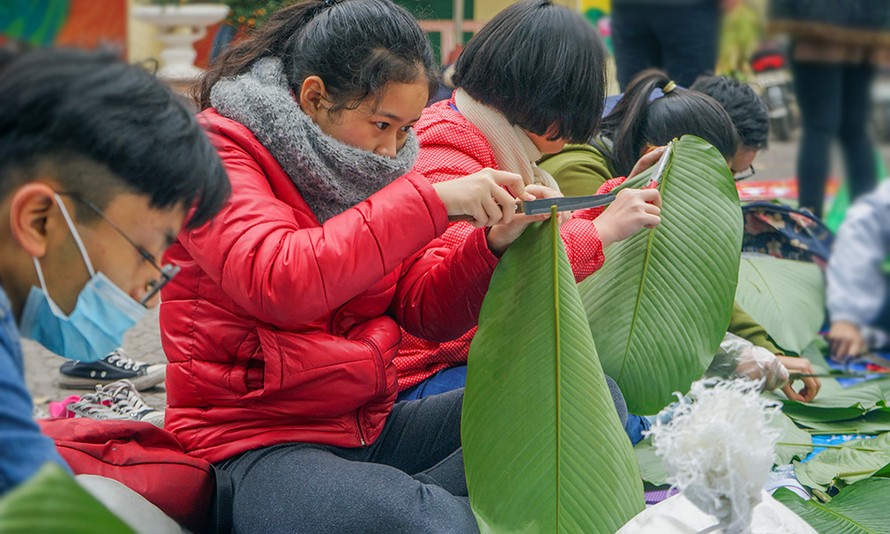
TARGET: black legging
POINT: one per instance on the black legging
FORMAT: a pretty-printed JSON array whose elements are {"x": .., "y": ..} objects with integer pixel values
[{"x": 834, "y": 103}]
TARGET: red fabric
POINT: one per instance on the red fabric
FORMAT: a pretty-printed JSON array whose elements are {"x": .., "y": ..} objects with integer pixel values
[
  {"x": 452, "y": 147},
  {"x": 279, "y": 329},
  {"x": 143, "y": 457}
]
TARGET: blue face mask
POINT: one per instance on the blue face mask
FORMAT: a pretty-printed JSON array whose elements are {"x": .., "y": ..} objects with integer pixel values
[{"x": 101, "y": 316}]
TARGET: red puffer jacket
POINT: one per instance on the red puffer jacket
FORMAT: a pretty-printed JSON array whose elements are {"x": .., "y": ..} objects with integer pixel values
[
  {"x": 451, "y": 147},
  {"x": 279, "y": 329}
]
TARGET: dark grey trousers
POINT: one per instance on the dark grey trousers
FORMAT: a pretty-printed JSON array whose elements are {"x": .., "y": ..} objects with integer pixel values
[{"x": 410, "y": 480}]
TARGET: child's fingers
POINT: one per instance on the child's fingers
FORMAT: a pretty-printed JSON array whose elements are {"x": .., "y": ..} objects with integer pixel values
[
  {"x": 494, "y": 212},
  {"x": 649, "y": 159},
  {"x": 510, "y": 180},
  {"x": 540, "y": 191}
]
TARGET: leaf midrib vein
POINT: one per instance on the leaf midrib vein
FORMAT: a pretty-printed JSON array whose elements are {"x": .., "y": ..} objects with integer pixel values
[{"x": 633, "y": 325}]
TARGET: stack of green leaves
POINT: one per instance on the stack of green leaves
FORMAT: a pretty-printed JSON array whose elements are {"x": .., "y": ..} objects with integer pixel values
[{"x": 860, "y": 409}]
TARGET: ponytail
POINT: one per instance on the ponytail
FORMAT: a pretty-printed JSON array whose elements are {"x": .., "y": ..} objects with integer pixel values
[
  {"x": 638, "y": 120},
  {"x": 272, "y": 39}
]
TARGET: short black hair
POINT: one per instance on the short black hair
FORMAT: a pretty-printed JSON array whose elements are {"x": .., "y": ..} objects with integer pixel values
[
  {"x": 540, "y": 65},
  {"x": 745, "y": 108},
  {"x": 100, "y": 126}
]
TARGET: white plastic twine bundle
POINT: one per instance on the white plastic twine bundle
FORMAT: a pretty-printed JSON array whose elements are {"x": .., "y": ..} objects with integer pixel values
[{"x": 718, "y": 448}]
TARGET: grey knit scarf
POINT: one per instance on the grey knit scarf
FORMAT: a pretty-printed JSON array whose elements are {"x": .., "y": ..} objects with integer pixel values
[{"x": 330, "y": 175}]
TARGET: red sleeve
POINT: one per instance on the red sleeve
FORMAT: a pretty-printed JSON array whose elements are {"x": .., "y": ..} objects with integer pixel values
[
  {"x": 593, "y": 213},
  {"x": 260, "y": 256},
  {"x": 440, "y": 293}
]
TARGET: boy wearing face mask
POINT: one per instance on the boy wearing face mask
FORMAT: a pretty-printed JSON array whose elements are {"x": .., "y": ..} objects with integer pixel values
[{"x": 100, "y": 167}]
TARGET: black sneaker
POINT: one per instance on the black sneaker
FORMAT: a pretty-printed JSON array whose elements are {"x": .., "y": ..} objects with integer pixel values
[{"x": 115, "y": 366}]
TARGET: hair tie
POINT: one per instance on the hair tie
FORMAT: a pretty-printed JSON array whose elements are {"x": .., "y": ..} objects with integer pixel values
[{"x": 668, "y": 87}]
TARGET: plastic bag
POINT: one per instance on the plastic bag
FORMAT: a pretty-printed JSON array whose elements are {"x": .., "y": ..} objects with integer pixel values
[{"x": 739, "y": 357}]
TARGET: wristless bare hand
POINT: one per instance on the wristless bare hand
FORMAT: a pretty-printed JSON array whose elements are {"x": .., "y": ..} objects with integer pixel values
[
  {"x": 632, "y": 210},
  {"x": 501, "y": 236},
  {"x": 482, "y": 196}
]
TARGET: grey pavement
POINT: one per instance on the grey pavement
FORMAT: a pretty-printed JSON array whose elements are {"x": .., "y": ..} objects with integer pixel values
[{"x": 142, "y": 342}]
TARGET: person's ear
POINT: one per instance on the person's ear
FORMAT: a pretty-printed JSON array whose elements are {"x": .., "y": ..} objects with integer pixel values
[
  {"x": 313, "y": 97},
  {"x": 29, "y": 212}
]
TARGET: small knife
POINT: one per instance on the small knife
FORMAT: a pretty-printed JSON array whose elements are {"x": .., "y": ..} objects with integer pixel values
[
  {"x": 662, "y": 164},
  {"x": 543, "y": 205}
]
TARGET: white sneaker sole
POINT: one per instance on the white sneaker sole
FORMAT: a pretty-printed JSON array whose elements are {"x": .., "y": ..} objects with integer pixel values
[{"x": 154, "y": 375}]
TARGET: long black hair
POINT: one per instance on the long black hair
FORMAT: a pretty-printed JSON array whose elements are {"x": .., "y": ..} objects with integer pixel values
[
  {"x": 355, "y": 46},
  {"x": 541, "y": 65},
  {"x": 638, "y": 121}
]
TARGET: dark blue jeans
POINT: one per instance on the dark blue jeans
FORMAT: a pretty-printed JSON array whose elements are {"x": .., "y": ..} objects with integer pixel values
[
  {"x": 447, "y": 379},
  {"x": 680, "y": 39},
  {"x": 456, "y": 377}
]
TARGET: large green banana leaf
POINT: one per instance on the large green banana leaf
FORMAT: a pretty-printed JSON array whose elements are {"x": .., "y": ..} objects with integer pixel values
[
  {"x": 543, "y": 446},
  {"x": 53, "y": 502},
  {"x": 859, "y": 509},
  {"x": 786, "y": 297},
  {"x": 848, "y": 463},
  {"x": 837, "y": 409},
  {"x": 660, "y": 305}
]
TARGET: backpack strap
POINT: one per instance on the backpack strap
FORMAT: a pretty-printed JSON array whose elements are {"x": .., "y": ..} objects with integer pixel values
[{"x": 223, "y": 502}]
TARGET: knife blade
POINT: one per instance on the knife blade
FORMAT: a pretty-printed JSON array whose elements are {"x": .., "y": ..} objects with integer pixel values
[{"x": 543, "y": 205}]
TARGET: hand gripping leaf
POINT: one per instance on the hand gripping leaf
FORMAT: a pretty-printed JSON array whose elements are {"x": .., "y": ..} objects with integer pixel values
[
  {"x": 661, "y": 304},
  {"x": 543, "y": 447}
]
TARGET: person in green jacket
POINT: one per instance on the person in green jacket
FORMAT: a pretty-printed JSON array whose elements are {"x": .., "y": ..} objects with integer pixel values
[{"x": 651, "y": 113}]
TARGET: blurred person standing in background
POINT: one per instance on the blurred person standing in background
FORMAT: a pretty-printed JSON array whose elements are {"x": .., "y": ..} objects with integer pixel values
[
  {"x": 677, "y": 36},
  {"x": 835, "y": 49}
]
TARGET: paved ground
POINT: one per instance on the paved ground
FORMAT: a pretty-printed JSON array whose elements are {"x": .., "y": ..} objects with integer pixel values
[{"x": 143, "y": 342}]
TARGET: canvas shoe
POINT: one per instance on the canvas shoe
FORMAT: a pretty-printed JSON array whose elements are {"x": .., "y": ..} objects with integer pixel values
[
  {"x": 116, "y": 401},
  {"x": 115, "y": 366}
]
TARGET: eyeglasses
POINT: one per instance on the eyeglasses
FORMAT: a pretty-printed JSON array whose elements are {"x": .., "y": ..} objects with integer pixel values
[
  {"x": 747, "y": 173},
  {"x": 167, "y": 271}
]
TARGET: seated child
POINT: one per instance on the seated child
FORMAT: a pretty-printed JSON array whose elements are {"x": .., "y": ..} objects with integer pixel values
[
  {"x": 640, "y": 121},
  {"x": 857, "y": 284},
  {"x": 519, "y": 95}
]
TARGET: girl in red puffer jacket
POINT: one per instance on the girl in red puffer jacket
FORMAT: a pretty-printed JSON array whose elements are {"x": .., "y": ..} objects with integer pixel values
[{"x": 282, "y": 326}]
